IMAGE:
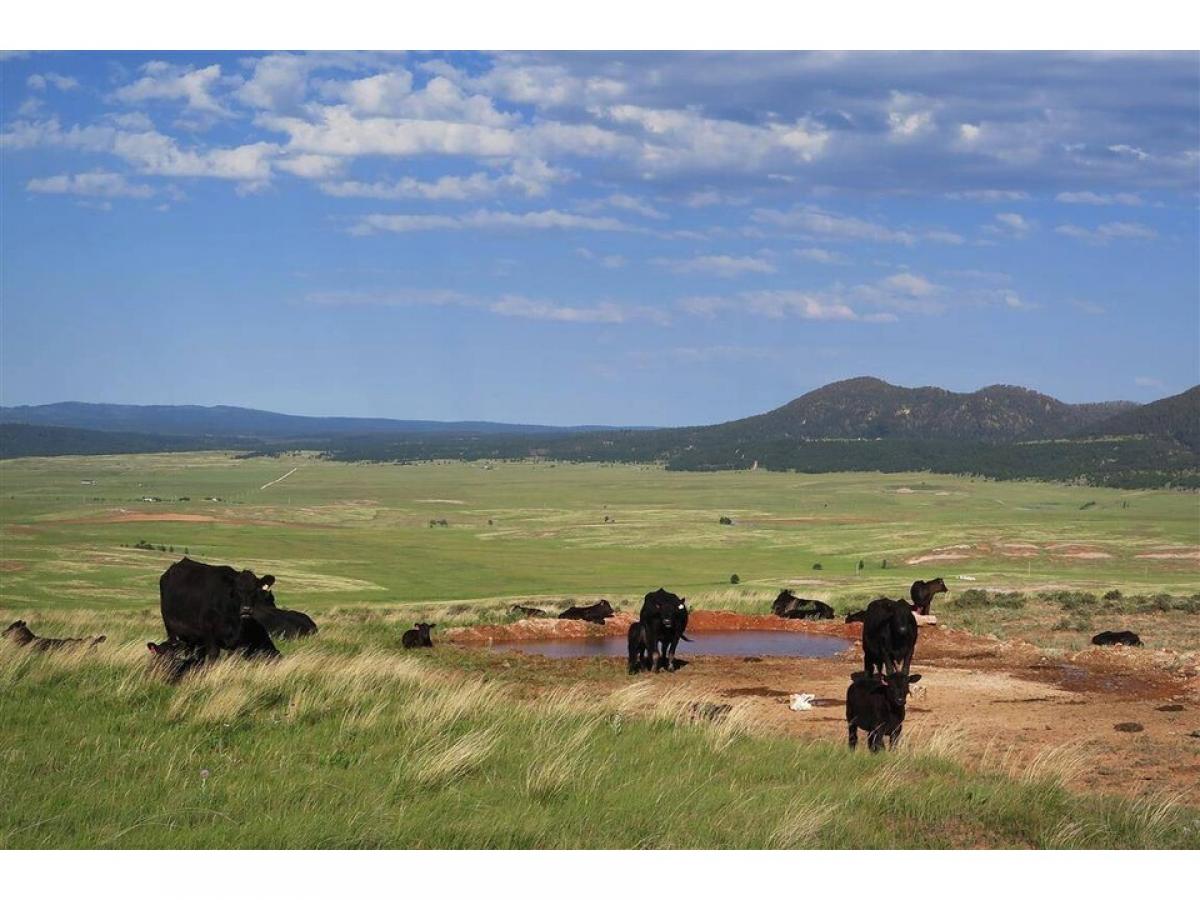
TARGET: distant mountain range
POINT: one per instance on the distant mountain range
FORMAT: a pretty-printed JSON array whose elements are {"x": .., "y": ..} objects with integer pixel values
[
  {"x": 860, "y": 424},
  {"x": 239, "y": 422}
]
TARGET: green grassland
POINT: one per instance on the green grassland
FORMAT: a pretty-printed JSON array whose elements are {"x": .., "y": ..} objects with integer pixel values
[
  {"x": 348, "y": 742},
  {"x": 338, "y": 534}
]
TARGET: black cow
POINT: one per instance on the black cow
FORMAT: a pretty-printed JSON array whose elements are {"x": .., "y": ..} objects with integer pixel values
[
  {"x": 639, "y": 652},
  {"x": 174, "y": 658},
  {"x": 1109, "y": 638},
  {"x": 889, "y": 637},
  {"x": 288, "y": 623},
  {"x": 177, "y": 658},
  {"x": 596, "y": 613},
  {"x": 818, "y": 610},
  {"x": 786, "y": 604},
  {"x": 922, "y": 593},
  {"x": 418, "y": 636},
  {"x": 529, "y": 612},
  {"x": 254, "y": 642},
  {"x": 876, "y": 704},
  {"x": 18, "y": 632},
  {"x": 860, "y": 616},
  {"x": 664, "y": 618},
  {"x": 207, "y": 607}
]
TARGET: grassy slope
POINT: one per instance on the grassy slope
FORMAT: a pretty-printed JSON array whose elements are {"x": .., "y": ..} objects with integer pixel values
[{"x": 347, "y": 745}]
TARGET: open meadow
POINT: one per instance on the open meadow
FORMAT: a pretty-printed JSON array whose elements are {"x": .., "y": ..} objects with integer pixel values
[{"x": 1020, "y": 736}]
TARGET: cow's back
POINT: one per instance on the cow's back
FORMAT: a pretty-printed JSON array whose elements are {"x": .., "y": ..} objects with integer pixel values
[{"x": 199, "y": 604}]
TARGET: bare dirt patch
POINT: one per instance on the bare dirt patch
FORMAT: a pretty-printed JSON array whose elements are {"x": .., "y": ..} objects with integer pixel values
[
  {"x": 1000, "y": 703},
  {"x": 1171, "y": 554},
  {"x": 8, "y": 565},
  {"x": 935, "y": 557}
]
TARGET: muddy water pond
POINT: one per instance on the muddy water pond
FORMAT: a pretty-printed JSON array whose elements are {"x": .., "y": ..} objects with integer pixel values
[{"x": 709, "y": 643}]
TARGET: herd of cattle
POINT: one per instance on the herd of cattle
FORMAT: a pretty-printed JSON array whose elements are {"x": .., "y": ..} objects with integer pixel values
[{"x": 208, "y": 610}]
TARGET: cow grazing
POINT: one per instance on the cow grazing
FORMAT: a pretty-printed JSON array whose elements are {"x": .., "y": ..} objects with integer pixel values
[
  {"x": 922, "y": 593},
  {"x": 876, "y": 705},
  {"x": 664, "y": 618},
  {"x": 889, "y": 637},
  {"x": 529, "y": 612},
  {"x": 860, "y": 616},
  {"x": 18, "y": 632},
  {"x": 1110, "y": 638},
  {"x": 639, "y": 651},
  {"x": 596, "y": 613},
  {"x": 207, "y": 607},
  {"x": 418, "y": 636}
]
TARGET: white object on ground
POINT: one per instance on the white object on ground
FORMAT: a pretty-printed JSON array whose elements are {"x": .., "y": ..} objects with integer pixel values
[
  {"x": 801, "y": 702},
  {"x": 966, "y": 577},
  {"x": 925, "y": 620}
]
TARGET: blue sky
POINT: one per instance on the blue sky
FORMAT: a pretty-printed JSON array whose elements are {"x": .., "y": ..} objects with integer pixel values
[{"x": 594, "y": 238}]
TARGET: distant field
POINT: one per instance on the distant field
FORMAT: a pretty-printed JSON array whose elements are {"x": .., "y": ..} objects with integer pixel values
[{"x": 339, "y": 534}]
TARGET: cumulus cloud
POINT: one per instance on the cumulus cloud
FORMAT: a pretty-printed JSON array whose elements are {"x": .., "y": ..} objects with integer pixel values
[
  {"x": 817, "y": 222},
  {"x": 53, "y": 79},
  {"x": 165, "y": 81},
  {"x": 89, "y": 184},
  {"x": 533, "y": 178},
  {"x": 817, "y": 254},
  {"x": 1010, "y": 224},
  {"x": 551, "y": 311},
  {"x": 606, "y": 260}
]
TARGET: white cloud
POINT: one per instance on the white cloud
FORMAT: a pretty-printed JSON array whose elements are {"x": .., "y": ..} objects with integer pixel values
[
  {"x": 549, "y": 311},
  {"x": 529, "y": 177},
  {"x": 312, "y": 165},
  {"x": 816, "y": 254},
  {"x": 608, "y": 261},
  {"x": 1087, "y": 306},
  {"x": 1094, "y": 199},
  {"x": 634, "y": 205},
  {"x": 988, "y": 195},
  {"x": 1102, "y": 234},
  {"x": 486, "y": 219},
  {"x": 720, "y": 265},
  {"x": 1146, "y": 381},
  {"x": 89, "y": 184},
  {"x": 279, "y": 82},
  {"x": 62, "y": 82},
  {"x": 1125, "y": 150},
  {"x": 908, "y": 283},
  {"x": 833, "y": 226},
  {"x": 1010, "y": 224},
  {"x": 164, "y": 81},
  {"x": 909, "y": 116},
  {"x": 391, "y": 94}
]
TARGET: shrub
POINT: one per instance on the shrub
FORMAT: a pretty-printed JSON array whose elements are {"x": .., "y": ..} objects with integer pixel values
[
  {"x": 1113, "y": 596},
  {"x": 733, "y": 579},
  {"x": 1070, "y": 600},
  {"x": 817, "y": 567},
  {"x": 725, "y": 520},
  {"x": 976, "y": 598}
]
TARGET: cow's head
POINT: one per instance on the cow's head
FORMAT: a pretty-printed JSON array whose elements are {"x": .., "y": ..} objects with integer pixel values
[
  {"x": 896, "y": 688},
  {"x": 605, "y": 607},
  {"x": 252, "y": 591},
  {"x": 16, "y": 627},
  {"x": 423, "y": 627},
  {"x": 939, "y": 586}
]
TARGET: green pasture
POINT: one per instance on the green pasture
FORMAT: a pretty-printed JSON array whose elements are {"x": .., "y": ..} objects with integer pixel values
[{"x": 337, "y": 534}]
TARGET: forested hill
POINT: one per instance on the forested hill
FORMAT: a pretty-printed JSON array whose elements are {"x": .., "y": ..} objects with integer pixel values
[{"x": 1174, "y": 418}]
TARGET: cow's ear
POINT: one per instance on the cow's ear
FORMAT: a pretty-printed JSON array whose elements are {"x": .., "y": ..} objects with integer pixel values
[
  {"x": 266, "y": 581},
  {"x": 152, "y": 647},
  {"x": 912, "y": 679}
]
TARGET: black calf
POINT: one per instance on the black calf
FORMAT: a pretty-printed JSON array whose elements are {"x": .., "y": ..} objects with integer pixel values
[
  {"x": 876, "y": 705},
  {"x": 417, "y": 637},
  {"x": 1109, "y": 638}
]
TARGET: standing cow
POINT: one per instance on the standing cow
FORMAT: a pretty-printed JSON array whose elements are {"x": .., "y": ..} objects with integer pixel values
[
  {"x": 922, "y": 593},
  {"x": 207, "y": 608},
  {"x": 664, "y": 619},
  {"x": 889, "y": 638},
  {"x": 877, "y": 706}
]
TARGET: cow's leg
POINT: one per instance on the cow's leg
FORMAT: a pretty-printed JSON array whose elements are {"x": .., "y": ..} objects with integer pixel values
[
  {"x": 875, "y": 739},
  {"x": 894, "y": 737},
  {"x": 853, "y": 735},
  {"x": 671, "y": 662}
]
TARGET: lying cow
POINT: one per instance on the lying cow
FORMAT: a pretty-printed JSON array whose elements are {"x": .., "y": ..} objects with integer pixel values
[
  {"x": 287, "y": 623},
  {"x": 529, "y": 612},
  {"x": 922, "y": 594},
  {"x": 1111, "y": 638},
  {"x": 18, "y": 632},
  {"x": 177, "y": 657},
  {"x": 664, "y": 619},
  {"x": 876, "y": 705},
  {"x": 596, "y": 613},
  {"x": 788, "y": 606},
  {"x": 889, "y": 636},
  {"x": 860, "y": 616},
  {"x": 418, "y": 636}
]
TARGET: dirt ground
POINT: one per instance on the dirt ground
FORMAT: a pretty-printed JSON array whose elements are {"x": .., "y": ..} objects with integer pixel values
[{"x": 1127, "y": 718}]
